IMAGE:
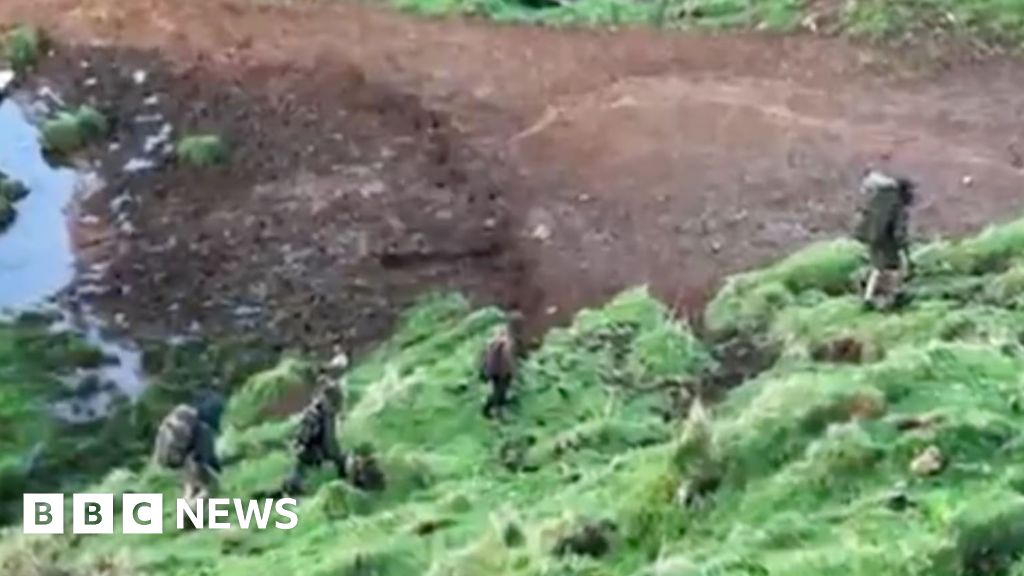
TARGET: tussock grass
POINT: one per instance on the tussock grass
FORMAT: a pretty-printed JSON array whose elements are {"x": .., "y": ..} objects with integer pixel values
[
  {"x": 72, "y": 130},
  {"x": 22, "y": 47},
  {"x": 202, "y": 150},
  {"x": 803, "y": 470}
]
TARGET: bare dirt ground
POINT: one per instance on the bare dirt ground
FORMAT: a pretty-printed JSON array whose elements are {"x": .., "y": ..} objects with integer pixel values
[{"x": 378, "y": 155}]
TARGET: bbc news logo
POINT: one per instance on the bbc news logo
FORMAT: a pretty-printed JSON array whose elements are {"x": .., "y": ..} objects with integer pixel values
[{"x": 144, "y": 513}]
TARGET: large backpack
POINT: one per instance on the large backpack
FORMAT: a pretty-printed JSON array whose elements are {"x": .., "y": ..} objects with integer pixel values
[
  {"x": 175, "y": 438},
  {"x": 498, "y": 360}
]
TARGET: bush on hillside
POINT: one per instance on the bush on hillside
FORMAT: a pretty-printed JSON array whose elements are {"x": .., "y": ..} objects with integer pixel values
[{"x": 12, "y": 190}]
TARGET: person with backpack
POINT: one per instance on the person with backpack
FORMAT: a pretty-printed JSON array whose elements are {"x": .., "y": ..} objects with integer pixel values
[
  {"x": 498, "y": 368},
  {"x": 186, "y": 441},
  {"x": 316, "y": 440},
  {"x": 884, "y": 227}
]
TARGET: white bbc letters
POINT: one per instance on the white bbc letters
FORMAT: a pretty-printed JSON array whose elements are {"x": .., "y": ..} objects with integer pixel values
[{"x": 144, "y": 513}]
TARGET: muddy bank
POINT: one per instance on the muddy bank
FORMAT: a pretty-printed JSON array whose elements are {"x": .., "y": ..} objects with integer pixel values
[{"x": 342, "y": 202}]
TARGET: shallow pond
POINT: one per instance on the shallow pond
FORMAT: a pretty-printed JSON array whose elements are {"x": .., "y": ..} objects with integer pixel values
[{"x": 37, "y": 262}]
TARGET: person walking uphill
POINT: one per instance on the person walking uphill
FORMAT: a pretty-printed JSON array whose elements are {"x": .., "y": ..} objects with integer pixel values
[
  {"x": 498, "y": 368},
  {"x": 186, "y": 440},
  {"x": 883, "y": 226},
  {"x": 316, "y": 442}
]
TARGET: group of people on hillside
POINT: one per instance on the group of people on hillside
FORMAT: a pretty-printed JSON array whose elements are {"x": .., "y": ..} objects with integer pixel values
[{"x": 186, "y": 438}]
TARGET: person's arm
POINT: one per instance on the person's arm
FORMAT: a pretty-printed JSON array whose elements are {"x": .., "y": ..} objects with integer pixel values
[{"x": 206, "y": 448}]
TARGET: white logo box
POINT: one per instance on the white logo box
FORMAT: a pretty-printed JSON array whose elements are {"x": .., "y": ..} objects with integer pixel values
[{"x": 144, "y": 513}]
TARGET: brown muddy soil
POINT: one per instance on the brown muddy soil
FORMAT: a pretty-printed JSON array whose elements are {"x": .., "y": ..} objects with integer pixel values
[
  {"x": 377, "y": 155},
  {"x": 342, "y": 202}
]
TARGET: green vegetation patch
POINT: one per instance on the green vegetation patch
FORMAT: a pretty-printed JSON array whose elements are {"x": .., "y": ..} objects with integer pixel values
[
  {"x": 714, "y": 14},
  {"x": 993, "y": 23},
  {"x": 71, "y": 130},
  {"x": 202, "y": 151},
  {"x": 11, "y": 191},
  {"x": 8, "y": 213},
  {"x": 272, "y": 394},
  {"x": 22, "y": 47},
  {"x": 903, "y": 460},
  {"x": 997, "y": 22}
]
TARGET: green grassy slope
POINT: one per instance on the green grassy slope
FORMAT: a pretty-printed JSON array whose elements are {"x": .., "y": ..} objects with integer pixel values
[
  {"x": 40, "y": 453},
  {"x": 813, "y": 457}
]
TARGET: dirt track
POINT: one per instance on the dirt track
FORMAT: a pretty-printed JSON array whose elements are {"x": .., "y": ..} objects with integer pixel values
[{"x": 607, "y": 159}]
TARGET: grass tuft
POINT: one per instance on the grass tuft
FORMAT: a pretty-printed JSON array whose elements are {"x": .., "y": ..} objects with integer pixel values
[
  {"x": 22, "y": 47},
  {"x": 805, "y": 469},
  {"x": 202, "y": 151},
  {"x": 70, "y": 131}
]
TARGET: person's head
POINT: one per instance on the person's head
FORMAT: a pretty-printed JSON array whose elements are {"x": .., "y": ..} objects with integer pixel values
[
  {"x": 875, "y": 181},
  {"x": 339, "y": 359},
  {"x": 210, "y": 406}
]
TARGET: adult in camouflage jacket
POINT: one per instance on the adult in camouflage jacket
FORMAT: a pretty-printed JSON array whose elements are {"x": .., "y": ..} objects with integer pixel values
[{"x": 883, "y": 226}]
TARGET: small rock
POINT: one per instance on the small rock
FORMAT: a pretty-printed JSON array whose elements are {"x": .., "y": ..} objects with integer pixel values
[
  {"x": 139, "y": 77},
  {"x": 490, "y": 223},
  {"x": 120, "y": 202},
  {"x": 91, "y": 82},
  {"x": 810, "y": 23},
  {"x": 898, "y": 501},
  {"x": 929, "y": 462},
  {"x": 151, "y": 100},
  {"x": 148, "y": 118},
  {"x": 6, "y": 80},
  {"x": 138, "y": 165},
  {"x": 552, "y": 310},
  {"x": 967, "y": 181},
  {"x": 584, "y": 197},
  {"x": 541, "y": 232},
  {"x": 46, "y": 93}
]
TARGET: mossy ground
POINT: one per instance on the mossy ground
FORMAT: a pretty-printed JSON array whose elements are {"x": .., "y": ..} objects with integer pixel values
[{"x": 812, "y": 459}]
